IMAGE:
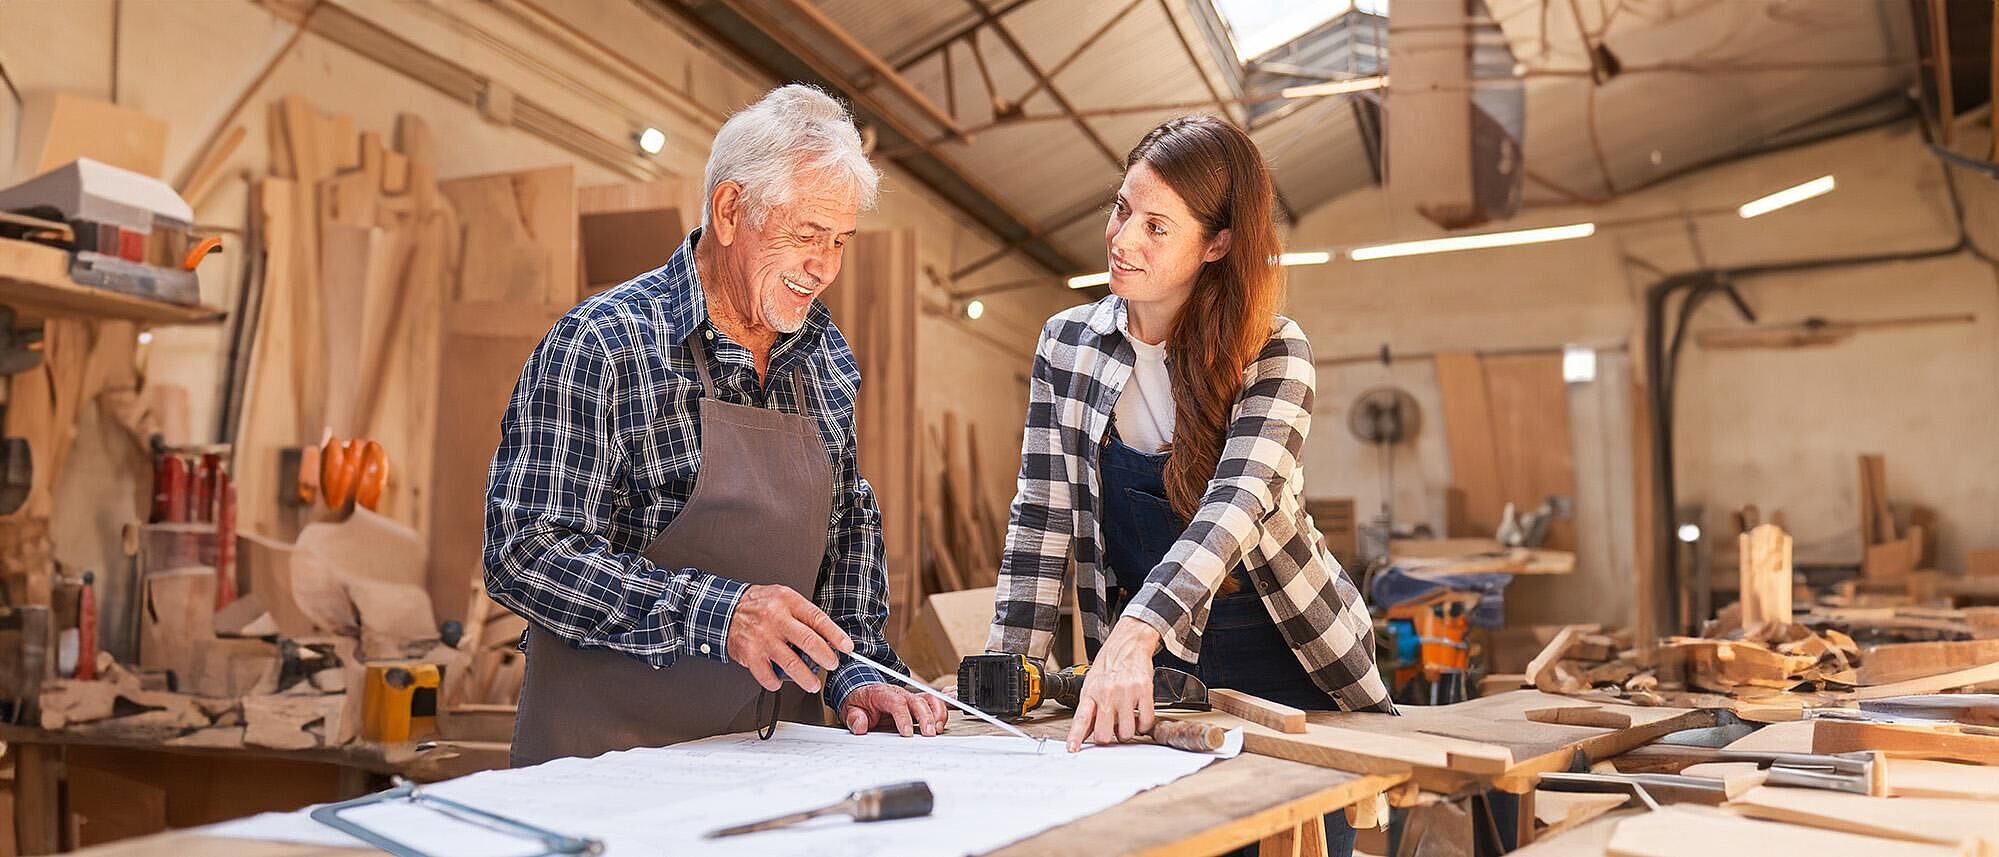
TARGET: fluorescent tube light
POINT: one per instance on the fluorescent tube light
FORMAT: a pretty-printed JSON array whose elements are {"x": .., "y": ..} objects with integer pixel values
[
  {"x": 1474, "y": 242},
  {"x": 1335, "y": 87},
  {"x": 1788, "y": 196},
  {"x": 1101, "y": 278},
  {"x": 1319, "y": 258}
]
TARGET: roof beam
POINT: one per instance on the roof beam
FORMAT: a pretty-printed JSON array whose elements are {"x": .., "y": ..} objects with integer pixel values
[
  {"x": 749, "y": 31},
  {"x": 1041, "y": 78}
]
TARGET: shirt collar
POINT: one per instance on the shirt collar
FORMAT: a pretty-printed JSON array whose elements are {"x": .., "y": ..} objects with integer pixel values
[
  {"x": 1108, "y": 316},
  {"x": 687, "y": 306}
]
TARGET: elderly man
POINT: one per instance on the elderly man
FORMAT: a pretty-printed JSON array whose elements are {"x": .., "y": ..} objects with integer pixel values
[{"x": 675, "y": 506}]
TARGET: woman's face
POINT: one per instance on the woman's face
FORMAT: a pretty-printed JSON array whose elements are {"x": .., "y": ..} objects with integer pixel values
[{"x": 1155, "y": 243}]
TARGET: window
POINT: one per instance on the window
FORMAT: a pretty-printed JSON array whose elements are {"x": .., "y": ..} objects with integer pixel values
[{"x": 1257, "y": 27}]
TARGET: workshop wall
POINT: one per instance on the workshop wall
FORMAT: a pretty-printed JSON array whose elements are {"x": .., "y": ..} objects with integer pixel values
[
  {"x": 67, "y": 45},
  {"x": 1923, "y": 397}
]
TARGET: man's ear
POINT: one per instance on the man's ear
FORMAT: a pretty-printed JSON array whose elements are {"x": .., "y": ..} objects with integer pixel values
[
  {"x": 1218, "y": 246},
  {"x": 725, "y": 212}
]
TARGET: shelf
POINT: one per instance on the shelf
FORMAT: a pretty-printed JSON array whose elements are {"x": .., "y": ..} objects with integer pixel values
[{"x": 34, "y": 280}]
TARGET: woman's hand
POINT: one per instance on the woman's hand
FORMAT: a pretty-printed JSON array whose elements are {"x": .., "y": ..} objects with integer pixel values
[{"x": 1116, "y": 705}]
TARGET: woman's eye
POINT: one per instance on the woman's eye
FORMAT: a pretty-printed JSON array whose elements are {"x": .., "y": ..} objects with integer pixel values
[{"x": 1156, "y": 229}]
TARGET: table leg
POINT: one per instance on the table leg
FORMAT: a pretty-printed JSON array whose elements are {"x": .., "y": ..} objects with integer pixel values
[
  {"x": 37, "y": 798},
  {"x": 1306, "y": 840},
  {"x": 1524, "y": 821}
]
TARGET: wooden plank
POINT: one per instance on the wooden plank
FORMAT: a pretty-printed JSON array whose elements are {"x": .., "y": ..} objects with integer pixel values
[
  {"x": 472, "y": 394},
  {"x": 1681, "y": 831},
  {"x": 1929, "y": 778},
  {"x": 59, "y": 127},
  {"x": 202, "y": 180},
  {"x": 1255, "y": 709},
  {"x": 1565, "y": 811},
  {"x": 1982, "y": 563},
  {"x": 873, "y": 302},
  {"x": 1362, "y": 751},
  {"x": 1904, "y": 661},
  {"x": 1765, "y": 567},
  {"x": 1468, "y": 433},
  {"x": 1894, "y": 559},
  {"x": 1938, "y": 821},
  {"x": 1982, "y": 674},
  {"x": 1877, "y": 520},
  {"x": 950, "y": 627},
  {"x": 519, "y": 236},
  {"x": 1581, "y": 715},
  {"x": 1846, "y": 736},
  {"x": 1530, "y": 423}
]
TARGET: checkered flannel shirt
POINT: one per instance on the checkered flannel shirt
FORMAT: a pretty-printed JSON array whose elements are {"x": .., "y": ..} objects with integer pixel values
[
  {"x": 1253, "y": 514},
  {"x": 599, "y": 450}
]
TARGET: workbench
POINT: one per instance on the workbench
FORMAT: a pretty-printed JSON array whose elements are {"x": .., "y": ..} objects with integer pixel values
[
  {"x": 1251, "y": 798},
  {"x": 1226, "y": 805}
]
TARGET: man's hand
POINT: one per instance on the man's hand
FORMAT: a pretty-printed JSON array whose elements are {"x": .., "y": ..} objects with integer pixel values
[
  {"x": 1116, "y": 704},
  {"x": 875, "y": 706},
  {"x": 772, "y": 625}
]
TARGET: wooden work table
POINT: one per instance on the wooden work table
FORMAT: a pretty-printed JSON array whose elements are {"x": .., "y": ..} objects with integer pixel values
[{"x": 1226, "y": 805}]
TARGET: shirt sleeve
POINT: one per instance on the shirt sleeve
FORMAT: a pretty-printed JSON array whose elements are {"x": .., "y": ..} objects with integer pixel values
[
  {"x": 549, "y": 500},
  {"x": 1267, "y": 431},
  {"x": 1034, "y": 565},
  {"x": 855, "y": 593}
]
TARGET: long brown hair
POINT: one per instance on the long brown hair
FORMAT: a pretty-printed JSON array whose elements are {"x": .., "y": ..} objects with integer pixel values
[{"x": 1217, "y": 171}]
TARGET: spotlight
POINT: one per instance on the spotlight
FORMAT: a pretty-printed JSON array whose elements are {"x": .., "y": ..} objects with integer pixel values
[
  {"x": 975, "y": 309},
  {"x": 652, "y": 141},
  {"x": 1690, "y": 532}
]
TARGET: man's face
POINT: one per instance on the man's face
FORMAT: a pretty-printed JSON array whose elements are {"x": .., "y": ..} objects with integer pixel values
[{"x": 795, "y": 254}]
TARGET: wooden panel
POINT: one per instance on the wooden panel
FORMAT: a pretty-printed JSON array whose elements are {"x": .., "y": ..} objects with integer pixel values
[
  {"x": 1336, "y": 522},
  {"x": 1940, "y": 821},
  {"x": 1468, "y": 431},
  {"x": 874, "y": 304},
  {"x": 1904, "y": 661},
  {"x": 1765, "y": 569},
  {"x": 205, "y": 789},
  {"x": 1530, "y": 425},
  {"x": 1679, "y": 831},
  {"x": 519, "y": 243},
  {"x": 59, "y": 127},
  {"x": 626, "y": 229},
  {"x": 477, "y": 380}
]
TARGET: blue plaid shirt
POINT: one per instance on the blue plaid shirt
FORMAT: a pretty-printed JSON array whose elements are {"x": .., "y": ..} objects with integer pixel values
[{"x": 598, "y": 452}]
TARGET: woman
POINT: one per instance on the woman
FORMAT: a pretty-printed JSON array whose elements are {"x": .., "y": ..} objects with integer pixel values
[{"x": 1161, "y": 454}]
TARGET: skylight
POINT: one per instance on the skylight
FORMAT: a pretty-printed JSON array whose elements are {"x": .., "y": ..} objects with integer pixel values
[{"x": 1257, "y": 27}]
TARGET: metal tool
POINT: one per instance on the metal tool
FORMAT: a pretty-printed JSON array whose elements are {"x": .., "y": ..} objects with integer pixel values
[
  {"x": 1011, "y": 686},
  {"x": 554, "y": 844},
  {"x": 881, "y": 803},
  {"x": 1674, "y": 788},
  {"x": 949, "y": 700}
]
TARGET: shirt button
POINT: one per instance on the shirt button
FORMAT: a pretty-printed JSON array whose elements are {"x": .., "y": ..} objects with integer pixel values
[
  {"x": 708, "y": 335},
  {"x": 705, "y": 649}
]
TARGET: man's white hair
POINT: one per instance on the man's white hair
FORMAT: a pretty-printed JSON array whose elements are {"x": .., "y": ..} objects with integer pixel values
[{"x": 790, "y": 139}]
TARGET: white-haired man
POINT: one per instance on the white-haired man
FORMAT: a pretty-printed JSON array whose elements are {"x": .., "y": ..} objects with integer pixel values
[{"x": 675, "y": 505}]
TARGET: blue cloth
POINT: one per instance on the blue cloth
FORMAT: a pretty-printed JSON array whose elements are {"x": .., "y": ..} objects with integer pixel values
[
  {"x": 1394, "y": 586},
  {"x": 599, "y": 451}
]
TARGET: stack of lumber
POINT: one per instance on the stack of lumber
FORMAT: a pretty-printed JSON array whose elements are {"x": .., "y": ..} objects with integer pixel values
[{"x": 963, "y": 533}]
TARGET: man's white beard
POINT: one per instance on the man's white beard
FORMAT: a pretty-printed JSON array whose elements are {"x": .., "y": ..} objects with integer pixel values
[{"x": 775, "y": 317}]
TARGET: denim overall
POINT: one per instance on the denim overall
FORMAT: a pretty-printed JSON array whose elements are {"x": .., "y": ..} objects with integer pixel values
[{"x": 1241, "y": 648}]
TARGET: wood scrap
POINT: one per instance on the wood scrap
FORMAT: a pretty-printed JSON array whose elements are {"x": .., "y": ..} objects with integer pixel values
[
  {"x": 1970, "y": 677},
  {"x": 1904, "y": 661},
  {"x": 1877, "y": 520},
  {"x": 59, "y": 127},
  {"x": 1361, "y": 752},
  {"x": 396, "y": 618},
  {"x": 1982, "y": 563},
  {"x": 1255, "y": 709},
  {"x": 1683, "y": 831},
  {"x": 245, "y": 617},
  {"x": 1581, "y": 715},
  {"x": 1765, "y": 557},
  {"x": 178, "y": 609},
  {"x": 1927, "y": 778},
  {"x": 1540, "y": 671},
  {"x": 1939, "y": 743},
  {"x": 1893, "y": 560},
  {"x": 951, "y": 627},
  {"x": 229, "y": 668},
  {"x": 1564, "y": 811},
  {"x": 1939, "y": 821},
  {"x": 293, "y": 722}
]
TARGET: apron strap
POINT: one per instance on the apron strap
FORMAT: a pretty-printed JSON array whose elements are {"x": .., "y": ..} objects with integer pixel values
[
  {"x": 701, "y": 364},
  {"x": 708, "y": 381}
]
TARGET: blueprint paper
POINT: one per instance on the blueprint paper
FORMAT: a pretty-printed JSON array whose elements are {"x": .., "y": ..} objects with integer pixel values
[{"x": 990, "y": 791}]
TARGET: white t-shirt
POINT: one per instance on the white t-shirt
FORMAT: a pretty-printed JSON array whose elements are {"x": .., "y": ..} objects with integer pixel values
[{"x": 1144, "y": 411}]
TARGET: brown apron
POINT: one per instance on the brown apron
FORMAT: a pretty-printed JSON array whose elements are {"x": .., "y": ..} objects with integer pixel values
[{"x": 758, "y": 514}]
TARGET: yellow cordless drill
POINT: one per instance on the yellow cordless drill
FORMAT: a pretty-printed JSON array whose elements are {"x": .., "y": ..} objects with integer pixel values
[{"x": 1011, "y": 686}]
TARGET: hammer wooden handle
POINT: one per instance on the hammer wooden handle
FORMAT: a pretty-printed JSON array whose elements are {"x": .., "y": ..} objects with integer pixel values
[{"x": 1192, "y": 737}]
